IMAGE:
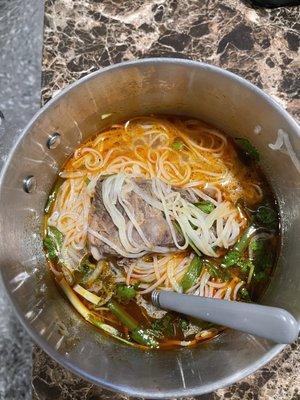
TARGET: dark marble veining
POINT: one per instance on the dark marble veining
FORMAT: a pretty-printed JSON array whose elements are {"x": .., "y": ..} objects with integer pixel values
[
  {"x": 279, "y": 380},
  {"x": 260, "y": 45}
]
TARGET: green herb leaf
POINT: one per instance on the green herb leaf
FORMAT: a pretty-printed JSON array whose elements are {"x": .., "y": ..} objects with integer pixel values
[
  {"x": 87, "y": 180},
  {"x": 260, "y": 276},
  {"x": 53, "y": 242},
  {"x": 183, "y": 323},
  {"x": 191, "y": 243},
  {"x": 247, "y": 149},
  {"x": 216, "y": 272},
  {"x": 234, "y": 258},
  {"x": 267, "y": 217},
  {"x": 206, "y": 206},
  {"x": 86, "y": 265},
  {"x": 244, "y": 294},
  {"x": 257, "y": 245},
  {"x": 262, "y": 257},
  {"x": 163, "y": 326},
  {"x": 51, "y": 199},
  {"x": 84, "y": 270},
  {"x": 231, "y": 258},
  {"x": 124, "y": 292},
  {"x": 245, "y": 265},
  {"x": 178, "y": 144}
]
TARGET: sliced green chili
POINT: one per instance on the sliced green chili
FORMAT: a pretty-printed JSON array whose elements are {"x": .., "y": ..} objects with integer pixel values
[
  {"x": 138, "y": 333},
  {"x": 234, "y": 256},
  {"x": 216, "y": 272},
  {"x": 192, "y": 274},
  {"x": 244, "y": 240},
  {"x": 206, "y": 206}
]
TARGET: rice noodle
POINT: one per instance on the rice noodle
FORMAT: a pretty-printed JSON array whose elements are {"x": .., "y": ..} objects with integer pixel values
[
  {"x": 194, "y": 223},
  {"x": 114, "y": 152},
  {"x": 284, "y": 140},
  {"x": 206, "y": 168},
  {"x": 236, "y": 289}
]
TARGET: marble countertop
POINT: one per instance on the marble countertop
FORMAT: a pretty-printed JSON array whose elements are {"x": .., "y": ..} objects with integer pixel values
[{"x": 81, "y": 36}]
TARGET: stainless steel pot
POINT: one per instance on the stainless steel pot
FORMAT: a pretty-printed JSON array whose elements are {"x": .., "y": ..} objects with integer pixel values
[{"x": 166, "y": 86}]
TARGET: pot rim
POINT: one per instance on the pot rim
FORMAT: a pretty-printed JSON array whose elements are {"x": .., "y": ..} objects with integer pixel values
[{"x": 63, "y": 360}]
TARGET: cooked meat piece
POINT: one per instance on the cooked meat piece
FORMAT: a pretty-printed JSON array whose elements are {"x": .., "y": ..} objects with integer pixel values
[
  {"x": 187, "y": 195},
  {"x": 150, "y": 220}
]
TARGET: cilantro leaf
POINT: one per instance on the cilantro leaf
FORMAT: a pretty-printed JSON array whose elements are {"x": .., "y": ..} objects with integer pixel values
[
  {"x": 231, "y": 258},
  {"x": 266, "y": 216},
  {"x": 260, "y": 276},
  {"x": 257, "y": 245},
  {"x": 247, "y": 149},
  {"x": 245, "y": 265},
  {"x": 163, "y": 326},
  {"x": 124, "y": 292},
  {"x": 84, "y": 271},
  {"x": 262, "y": 256},
  {"x": 178, "y": 144},
  {"x": 53, "y": 242},
  {"x": 183, "y": 323},
  {"x": 244, "y": 294},
  {"x": 234, "y": 258}
]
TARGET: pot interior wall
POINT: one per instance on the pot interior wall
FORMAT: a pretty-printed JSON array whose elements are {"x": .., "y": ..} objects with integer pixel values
[{"x": 124, "y": 91}]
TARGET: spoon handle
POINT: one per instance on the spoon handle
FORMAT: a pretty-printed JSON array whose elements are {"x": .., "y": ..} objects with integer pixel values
[{"x": 268, "y": 322}]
